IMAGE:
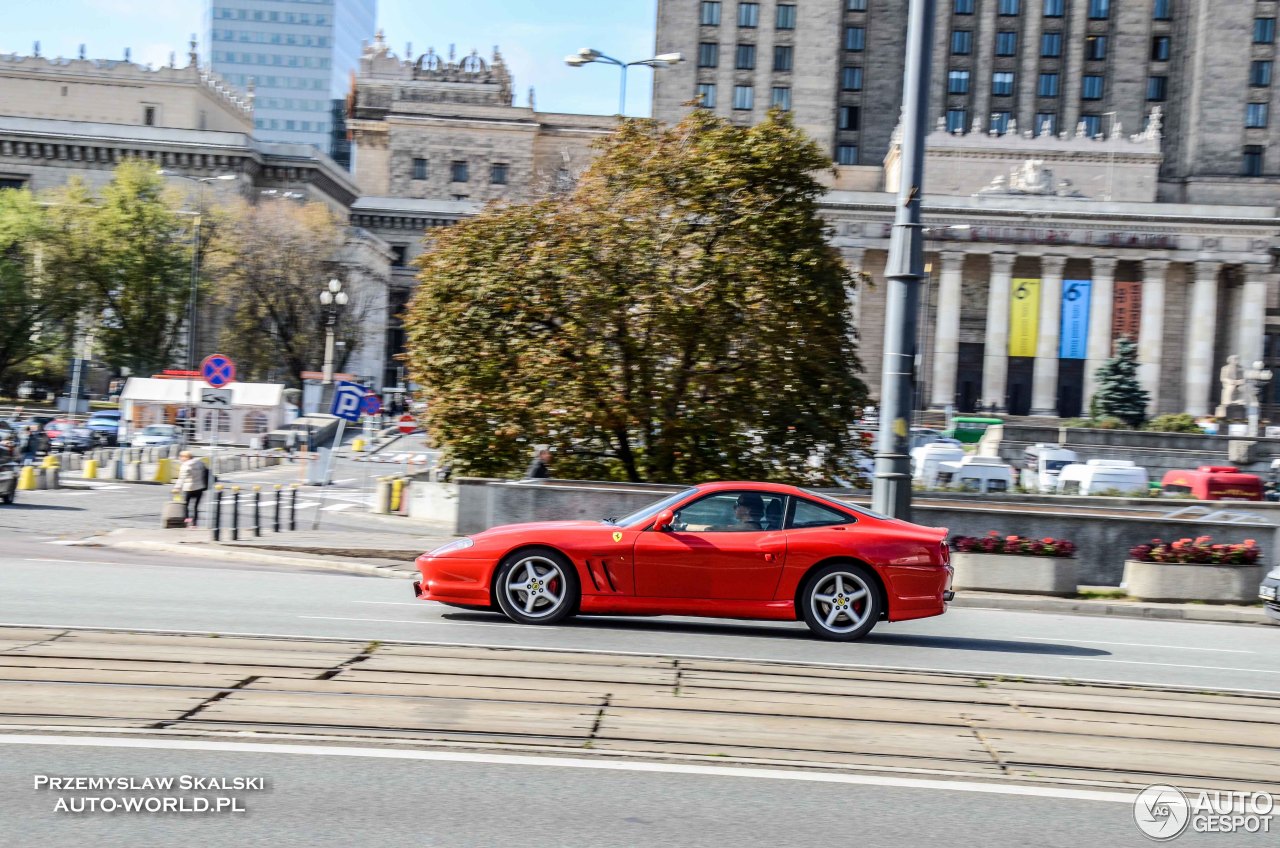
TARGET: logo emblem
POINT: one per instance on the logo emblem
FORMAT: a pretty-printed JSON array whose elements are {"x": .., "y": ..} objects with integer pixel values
[
  {"x": 617, "y": 535},
  {"x": 1161, "y": 812}
]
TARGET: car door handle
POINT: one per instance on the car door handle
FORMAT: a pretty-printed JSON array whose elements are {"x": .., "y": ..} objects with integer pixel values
[{"x": 770, "y": 558}]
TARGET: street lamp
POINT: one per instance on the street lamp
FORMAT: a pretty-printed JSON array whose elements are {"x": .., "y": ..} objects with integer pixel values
[
  {"x": 586, "y": 56},
  {"x": 332, "y": 299}
]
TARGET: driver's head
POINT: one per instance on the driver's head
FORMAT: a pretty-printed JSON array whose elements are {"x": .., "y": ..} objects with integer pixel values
[{"x": 749, "y": 505}]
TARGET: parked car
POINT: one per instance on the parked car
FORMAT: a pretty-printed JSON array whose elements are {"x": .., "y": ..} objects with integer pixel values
[
  {"x": 1213, "y": 483},
  {"x": 105, "y": 426},
  {"x": 8, "y": 476},
  {"x": 969, "y": 428},
  {"x": 722, "y": 550},
  {"x": 1041, "y": 465},
  {"x": 157, "y": 436},
  {"x": 925, "y": 461},
  {"x": 67, "y": 435},
  {"x": 985, "y": 474},
  {"x": 1269, "y": 592},
  {"x": 1102, "y": 475}
]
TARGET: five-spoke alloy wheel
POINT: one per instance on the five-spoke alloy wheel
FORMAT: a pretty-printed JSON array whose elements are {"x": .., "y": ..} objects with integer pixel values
[
  {"x": 840, "y": 602},
  {"x": 536, "y": 586}
]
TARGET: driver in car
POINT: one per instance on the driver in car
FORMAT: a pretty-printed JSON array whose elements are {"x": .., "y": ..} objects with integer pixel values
[{"x": 748, "y": 512}]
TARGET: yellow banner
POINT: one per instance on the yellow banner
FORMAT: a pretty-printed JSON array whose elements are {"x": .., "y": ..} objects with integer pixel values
[{"x": 1024, "y": 317}]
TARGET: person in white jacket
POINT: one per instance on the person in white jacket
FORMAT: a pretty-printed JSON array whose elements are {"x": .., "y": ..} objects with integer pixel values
[{"x": 193, "y": 480}]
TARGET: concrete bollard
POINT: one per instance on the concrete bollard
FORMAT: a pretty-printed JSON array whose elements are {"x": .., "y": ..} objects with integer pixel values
[
  {"x": 382, "y": 496},
  {"x": 164, "y": 471},
  {"x": 49, "y": 461},
  {"x": 357, "y": 445},
  {"x": 27, "y": 478},
  {"x": 397, "y": 489},
  {"x": 133, "y": 472},
  {"x": 90, "y": 469}
]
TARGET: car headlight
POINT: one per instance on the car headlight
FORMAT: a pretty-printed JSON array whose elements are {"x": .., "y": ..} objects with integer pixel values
[{"x": 449, "y": 547}]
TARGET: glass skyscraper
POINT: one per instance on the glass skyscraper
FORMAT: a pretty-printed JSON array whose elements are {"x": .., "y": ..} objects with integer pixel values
[{"x": 299, "y": 55}]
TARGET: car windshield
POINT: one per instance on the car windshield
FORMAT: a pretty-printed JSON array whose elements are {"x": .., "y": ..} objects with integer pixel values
[
  {"x": 1057, "y": 464},
  {"x": 862, "y": 510},
  {"x": 157, "y": 430},
  {"x": 651, "y": 510}
]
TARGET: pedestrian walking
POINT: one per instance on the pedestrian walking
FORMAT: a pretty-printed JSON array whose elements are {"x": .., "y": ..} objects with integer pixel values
[
  {"x": 538, "y": 469},
  {"x": 193, "y": 480},
  {"x": 30, "y": 444}
]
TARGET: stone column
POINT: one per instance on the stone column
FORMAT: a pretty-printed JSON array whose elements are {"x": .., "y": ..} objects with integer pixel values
[
  {"x": 946, "y": 330},
  {"x": 1202, "y": 319},
  {"x": 1101, "y": 299},
  {"x": 984, "y": 43},
  {"x": 1028, "y": 78},
  {"x": 1044, "y": 386},
  {"x": 1073, "y": 53},
  {"x": 995, "y": 359},
  {"x": 1151, "y": 330},
  {"x": 1253, "y": 314}
]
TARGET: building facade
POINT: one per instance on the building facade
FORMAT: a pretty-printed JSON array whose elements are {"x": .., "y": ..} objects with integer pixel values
[{"x": 297, "y": 56}]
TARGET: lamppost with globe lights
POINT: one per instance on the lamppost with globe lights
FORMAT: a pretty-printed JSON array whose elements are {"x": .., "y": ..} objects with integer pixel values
[
  {"x": 587, "y": 56},
  {"x": 332, "y": 299}
]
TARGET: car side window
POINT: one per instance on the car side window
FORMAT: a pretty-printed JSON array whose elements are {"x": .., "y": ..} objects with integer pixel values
[
  {"x": 731, "y": 512},
  {"x": 810, "y": 514}
]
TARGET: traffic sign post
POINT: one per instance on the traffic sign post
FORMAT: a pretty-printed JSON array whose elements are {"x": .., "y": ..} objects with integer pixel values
[
  {"x": 218, "y": 370},
  {"x": 215, "y": 398},
  {"x": 348, "y": 400},
  {"x": 407, "y": 424}
]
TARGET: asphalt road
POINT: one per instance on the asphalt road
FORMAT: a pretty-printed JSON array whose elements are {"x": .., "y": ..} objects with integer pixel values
[
  {"x": 66, "y": 586},
  {"x": 361, "y": 799}
]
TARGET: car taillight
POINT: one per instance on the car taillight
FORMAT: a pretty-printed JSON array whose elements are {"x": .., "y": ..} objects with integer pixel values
[{"x": 946, "y": 552}]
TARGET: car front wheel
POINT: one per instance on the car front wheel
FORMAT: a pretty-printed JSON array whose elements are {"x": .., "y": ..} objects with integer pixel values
[
  {"x": 536, "y": 586},
  {"x": 840, "y": 602}
]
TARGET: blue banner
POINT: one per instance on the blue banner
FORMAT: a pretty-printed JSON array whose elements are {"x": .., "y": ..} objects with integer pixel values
[{"x": 1075, "y": 319}]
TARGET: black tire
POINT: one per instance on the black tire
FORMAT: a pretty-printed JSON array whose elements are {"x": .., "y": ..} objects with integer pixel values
[
  {"x": 853, "y": 604},
  {"x": 8, "y": 499},
  {"x": 553, "y": 577}
]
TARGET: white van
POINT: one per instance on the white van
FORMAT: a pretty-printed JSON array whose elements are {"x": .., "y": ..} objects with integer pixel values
[
  {"x": 926, "y": 458},
  {"x": 985, "y": 474},
  {"x": 1041, "y": 464},
  {"x": 1102, "y": 475}
]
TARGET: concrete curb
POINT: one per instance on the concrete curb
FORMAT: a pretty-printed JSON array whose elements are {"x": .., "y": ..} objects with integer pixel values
[
  {"x": 215, "y": 551},
  {"x": 1124, "y": 609}
]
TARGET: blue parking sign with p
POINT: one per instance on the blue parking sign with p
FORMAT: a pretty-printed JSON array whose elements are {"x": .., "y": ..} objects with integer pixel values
[{"x": 348, "y": 400}]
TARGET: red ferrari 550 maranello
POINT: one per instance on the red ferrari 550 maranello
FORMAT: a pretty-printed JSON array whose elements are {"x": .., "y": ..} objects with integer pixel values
[{"x": 722, "y": 550}]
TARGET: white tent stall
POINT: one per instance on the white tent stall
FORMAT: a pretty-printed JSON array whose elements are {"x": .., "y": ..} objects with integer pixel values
[{"x": 256, "y": 408}]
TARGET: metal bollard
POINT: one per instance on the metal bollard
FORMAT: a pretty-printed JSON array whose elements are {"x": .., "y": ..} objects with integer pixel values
[
  {"x": 275, "y": 520},
  {"x": 235, "y": 513},
  {"x": 217, "y": 513},
  {"x": 293, "y": 508},
  {"x": 257, "y": 502}
]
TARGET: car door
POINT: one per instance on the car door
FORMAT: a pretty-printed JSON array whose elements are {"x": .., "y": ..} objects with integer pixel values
[{"x": 708, "y": 552}]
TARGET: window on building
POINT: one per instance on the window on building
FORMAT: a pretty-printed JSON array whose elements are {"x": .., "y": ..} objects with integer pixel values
[
  {"x": 1260, "y": 73},
  {"x": 1255, "y": 115},
  {"x": 962, "y": 42},
  {"x": 458, "y": 172},
  {"x": 399, "y": 253},
  {"x": 1046, "y": 123},
  {"x": 851, "y": 78},
  {"x": 1264, "y": 30},
  {"x": 1051, "y": 44},
  {"x": 744, "y": 97},
  {"x": 957, "y": 120},
  {"x": 1091, "y": 87},
  {"x": 1092, "y": 125},
  {"x": 498, "y": 173},
  {"x": 847, "y": 154},
  {"x": 786, "y": 16},
  {"x": 1002, "y": 83},
  {"x": 1160, "y": 48},
  {"x": 1009, "y": 7},
  {"x": 1006, "y": 43},
  {"x": 781, "y": 98},
  {"x": 419, "y": 169},
  {"x": 964, "y": 7},
  {"x": 855, "y": 5},
  {"x": 749, "y": 15},
  {"x": 149, "y": 116},
  {"x": 782, "y": 55},
  {"x": 958, "y": 82},
  {"x": 1000, "y": 121},
  {"x": 1054, "y": 8},
  {"x": 710, "y": 13},
  {"x": 708, "y": 54},
  {"x": 1095, "y": 48},
  {"x": 1157, "y": 88},
  {"x": 850, "y": 118},
  {"x": 1047, "y": 86},
  {"x": 1252, "y": 160},
  {"x": 745, "y": 57},
  {"x": 1099, "y": 10},
  {"x": 855, "y": 38},
  {"x": 707, "y": 95},
  {"x": 1163, "y": 10}
]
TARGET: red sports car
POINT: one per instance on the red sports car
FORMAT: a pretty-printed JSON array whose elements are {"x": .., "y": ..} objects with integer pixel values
[{"x": 723, "y": 550}]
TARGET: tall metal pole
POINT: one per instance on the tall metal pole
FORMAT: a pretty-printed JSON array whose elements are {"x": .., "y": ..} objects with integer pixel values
[
  {"x": 190, "y": 427},
  {"x": 622, "y": 100},
  {"x": 891, "y": 488}
]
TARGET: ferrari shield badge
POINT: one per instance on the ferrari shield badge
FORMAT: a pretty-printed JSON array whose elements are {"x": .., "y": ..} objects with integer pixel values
[{"x": 617, "y": 535}]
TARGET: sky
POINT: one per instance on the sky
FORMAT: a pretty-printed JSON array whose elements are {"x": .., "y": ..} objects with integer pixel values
[{"x": 533, "y": 35}]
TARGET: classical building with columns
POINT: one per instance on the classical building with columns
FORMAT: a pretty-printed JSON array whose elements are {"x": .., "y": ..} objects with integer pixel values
[{"x": 1042, "y": 251}]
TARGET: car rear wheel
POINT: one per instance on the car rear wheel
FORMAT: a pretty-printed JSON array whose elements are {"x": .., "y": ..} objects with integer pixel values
[
  {"x": 536, "y": 586},
  {"x": 840, "y": 602}
]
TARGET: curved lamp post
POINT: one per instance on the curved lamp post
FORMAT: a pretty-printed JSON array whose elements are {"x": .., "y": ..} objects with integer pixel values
[{"x": 587, "y": 56}]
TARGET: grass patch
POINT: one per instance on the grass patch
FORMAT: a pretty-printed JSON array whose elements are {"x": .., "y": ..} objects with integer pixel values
[{"x": 1103, "y": 595}]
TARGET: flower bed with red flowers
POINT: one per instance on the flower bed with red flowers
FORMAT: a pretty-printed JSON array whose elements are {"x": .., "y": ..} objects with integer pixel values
[
  {"x": 1198, "y": 550},
  {"x": 994, "y": 543}
]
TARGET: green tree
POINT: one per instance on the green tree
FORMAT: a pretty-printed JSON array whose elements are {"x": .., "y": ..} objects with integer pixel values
[
  {"x": 1174, "y": 423},
  {"x": 1119, "y": 393},
  {"x": 36, "y": 306},
  {"x": 677, "y": 315}
]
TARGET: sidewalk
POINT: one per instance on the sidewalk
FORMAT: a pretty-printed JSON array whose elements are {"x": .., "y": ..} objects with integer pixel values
[{"x": 1220, "y": 613}]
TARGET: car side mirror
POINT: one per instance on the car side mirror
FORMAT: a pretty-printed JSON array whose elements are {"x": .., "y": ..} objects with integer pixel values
[{"x": 663, "y": 521}]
